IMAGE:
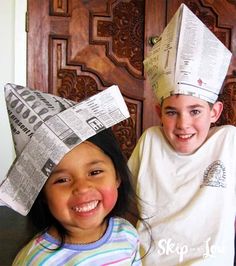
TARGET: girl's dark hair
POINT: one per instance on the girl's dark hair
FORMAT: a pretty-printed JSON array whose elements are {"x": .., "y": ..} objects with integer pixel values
[{"x": 106, "y": 141}]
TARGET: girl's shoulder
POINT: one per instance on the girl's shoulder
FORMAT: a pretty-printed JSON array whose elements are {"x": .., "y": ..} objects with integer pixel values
[
  {"x": 22, "y": 256},
  {"x": 122, "y": 226},
  {"x": 122, "y": 222}
]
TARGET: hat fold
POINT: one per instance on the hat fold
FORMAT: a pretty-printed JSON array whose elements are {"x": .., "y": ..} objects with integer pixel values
[
  {"x": 187, "y": 59},
  {"x": 45, "y": 127}
]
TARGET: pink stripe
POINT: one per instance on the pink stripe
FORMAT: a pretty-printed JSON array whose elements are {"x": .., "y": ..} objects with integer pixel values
[{"x": 110, "y": 263}]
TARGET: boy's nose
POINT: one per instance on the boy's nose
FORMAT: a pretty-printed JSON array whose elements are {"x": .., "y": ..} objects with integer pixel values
[{"x": 182, "y": 122}]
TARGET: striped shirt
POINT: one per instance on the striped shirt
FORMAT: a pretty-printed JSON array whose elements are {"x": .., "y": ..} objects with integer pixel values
[{"x": 118, "y": 246}]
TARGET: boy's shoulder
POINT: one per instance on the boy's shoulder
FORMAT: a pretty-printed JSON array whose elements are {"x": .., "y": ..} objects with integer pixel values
[
  {"x": 153, "y": 131},
  {"x": 153, "y": 134},
  {"x": 224, "y": 129},
  {"x": 222, "y": 135}
]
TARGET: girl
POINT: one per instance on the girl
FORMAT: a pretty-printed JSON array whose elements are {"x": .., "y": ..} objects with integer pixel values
[{"x": 77, "y": 210}]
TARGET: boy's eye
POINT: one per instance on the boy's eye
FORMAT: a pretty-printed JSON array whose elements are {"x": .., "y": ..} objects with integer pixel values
[
  {"x": 171, "y": 113},
  {"x": 195, "y": 112}
]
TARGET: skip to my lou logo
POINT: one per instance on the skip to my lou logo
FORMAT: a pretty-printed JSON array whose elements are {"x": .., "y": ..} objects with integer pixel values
[{"x": 168, "y": 247}]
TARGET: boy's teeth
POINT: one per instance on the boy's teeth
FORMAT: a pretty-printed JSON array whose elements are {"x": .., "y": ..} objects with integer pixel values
[
  {"x": 86, "y": 207},
  {"x": 185, "y": 136}
]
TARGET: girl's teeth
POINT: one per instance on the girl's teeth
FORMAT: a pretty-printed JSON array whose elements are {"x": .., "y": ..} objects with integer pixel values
[{"x": 86, "y": 207}]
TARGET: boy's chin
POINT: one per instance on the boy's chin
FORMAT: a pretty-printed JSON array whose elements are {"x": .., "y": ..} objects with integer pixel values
[{"x": 185, "y": 150}]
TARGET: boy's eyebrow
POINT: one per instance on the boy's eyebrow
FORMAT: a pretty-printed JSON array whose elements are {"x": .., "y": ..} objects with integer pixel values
[
  {"x": 169, "y": 107},
  {"x": 196, "y": 106},
  {"x": 189, "y": 106}
]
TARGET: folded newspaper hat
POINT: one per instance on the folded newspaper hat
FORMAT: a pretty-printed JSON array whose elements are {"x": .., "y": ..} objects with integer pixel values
[
  {"x": 187, "y": 59},
  {"x": 45, "y": 127}
]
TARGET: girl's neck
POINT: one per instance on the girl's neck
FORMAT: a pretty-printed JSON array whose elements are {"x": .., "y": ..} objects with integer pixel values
[{"x": 81, "y": 236}]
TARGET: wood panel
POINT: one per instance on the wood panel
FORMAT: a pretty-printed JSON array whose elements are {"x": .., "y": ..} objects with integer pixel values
[{"x": 90, "y": 45}]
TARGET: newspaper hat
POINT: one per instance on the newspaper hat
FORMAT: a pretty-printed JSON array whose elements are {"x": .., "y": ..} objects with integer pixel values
[
  {"x": 187, "y": 59},
  {"x": 45, "y": 127}
]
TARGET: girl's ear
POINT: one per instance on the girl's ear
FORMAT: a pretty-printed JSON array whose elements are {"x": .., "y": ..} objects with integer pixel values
[
  {"x": 118, "y": 181},
  {"x": 216, "y": 111}
]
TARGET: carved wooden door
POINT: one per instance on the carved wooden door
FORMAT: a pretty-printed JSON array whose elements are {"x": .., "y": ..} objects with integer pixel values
[{"x": 77, "y": 48}]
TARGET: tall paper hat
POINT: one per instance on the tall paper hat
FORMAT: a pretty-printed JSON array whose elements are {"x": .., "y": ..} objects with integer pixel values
[
  {"x": 45, "y": 127},
  {"x": 187, "y": 59}
]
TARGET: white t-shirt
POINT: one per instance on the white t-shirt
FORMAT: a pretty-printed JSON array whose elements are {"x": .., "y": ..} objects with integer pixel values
[{"x": 190, "y": 200}]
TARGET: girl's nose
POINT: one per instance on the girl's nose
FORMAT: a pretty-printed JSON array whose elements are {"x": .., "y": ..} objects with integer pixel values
[{"x": 81, "y": 186}]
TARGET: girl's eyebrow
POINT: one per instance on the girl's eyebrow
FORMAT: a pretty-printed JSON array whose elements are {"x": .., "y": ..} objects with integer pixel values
[{"x": 94, "y": 162}]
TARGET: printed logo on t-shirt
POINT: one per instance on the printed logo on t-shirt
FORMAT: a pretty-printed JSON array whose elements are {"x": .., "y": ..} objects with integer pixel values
[{"x": 215, "y": 175}]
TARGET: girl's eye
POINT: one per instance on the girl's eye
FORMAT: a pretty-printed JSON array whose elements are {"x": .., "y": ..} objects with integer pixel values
[
  {"x": 62, "y": 180},
  {"x": 95, "y": 172}
]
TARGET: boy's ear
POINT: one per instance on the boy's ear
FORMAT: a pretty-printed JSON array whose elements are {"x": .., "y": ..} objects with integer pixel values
[
  {"x": 216, "y": 111},
  {"x": 158, "y": 109}
]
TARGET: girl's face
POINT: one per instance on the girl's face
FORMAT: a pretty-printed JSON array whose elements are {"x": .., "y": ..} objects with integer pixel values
[
  {"x": 186, "y": 121},
  {"x": 82, "y": 191}
]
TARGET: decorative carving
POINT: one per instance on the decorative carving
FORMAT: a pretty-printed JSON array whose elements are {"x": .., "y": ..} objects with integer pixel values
[
  {"x": 59, "y": 46},
  {"x": 228, "y": 97},
  {"x": 209, "y": 18},
  {"x": 123, "y": 33},
  {"x": 125, "y": 131},
  {"x": 59, "y": 8},
  {"x": 72, "y": 80},
  {"x": 75, "y": 87},
  {"x": 232, "y": 2}
]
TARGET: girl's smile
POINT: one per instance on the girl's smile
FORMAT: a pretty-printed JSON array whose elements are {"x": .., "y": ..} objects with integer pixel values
[
  {"x": 85, "y": 207},
  {"x": 82, "y": 191}
]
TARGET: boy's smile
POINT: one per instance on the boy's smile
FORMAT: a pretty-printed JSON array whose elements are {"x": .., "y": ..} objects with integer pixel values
[{"x": 186, "y": 121}]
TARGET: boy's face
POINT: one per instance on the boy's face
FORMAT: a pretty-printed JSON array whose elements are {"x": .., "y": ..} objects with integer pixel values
[
  {"x": 186, "y": 121},
  {"x": 82, "y": 191}
]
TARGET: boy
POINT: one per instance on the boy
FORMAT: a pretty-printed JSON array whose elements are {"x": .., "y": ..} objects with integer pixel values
[{"x": 184, "y": 170}]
